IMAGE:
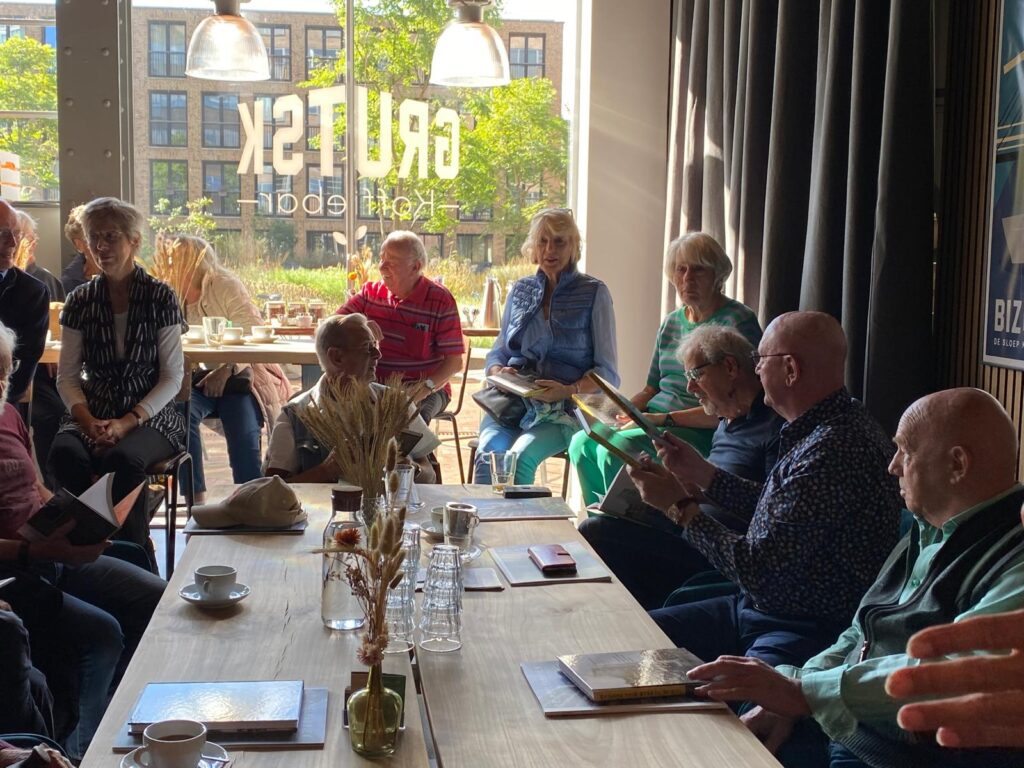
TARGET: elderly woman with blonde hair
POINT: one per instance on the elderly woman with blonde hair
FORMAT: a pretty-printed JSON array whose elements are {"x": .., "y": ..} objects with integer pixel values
[
  {"x": 244, "y": 397},
  {"x": 558, "y": 325},
  {"x": 698, "y": 267}
]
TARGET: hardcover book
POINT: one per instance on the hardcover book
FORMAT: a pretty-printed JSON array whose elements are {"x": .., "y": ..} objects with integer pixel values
[
  {"x": 257, "y": 705},
  {"x": 514, "y": 383},
  {"x": 95, "y": 515},
  {"x": 631, "y": 674}
]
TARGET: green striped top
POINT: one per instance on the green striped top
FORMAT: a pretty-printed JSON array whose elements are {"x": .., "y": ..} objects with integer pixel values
[{"x": 666, "y": 374}]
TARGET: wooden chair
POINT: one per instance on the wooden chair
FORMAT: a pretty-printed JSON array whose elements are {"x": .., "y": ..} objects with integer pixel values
[
  {"x": 451, "y": 415},
  {"x": 474, "y": 444}
]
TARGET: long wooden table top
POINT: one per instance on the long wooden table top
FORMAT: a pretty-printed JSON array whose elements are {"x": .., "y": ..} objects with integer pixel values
[
  {"x": 275, "y": 633},
  {"x": 282, "y": 351}
]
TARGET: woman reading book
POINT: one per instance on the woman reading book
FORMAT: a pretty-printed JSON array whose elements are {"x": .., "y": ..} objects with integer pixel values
[
  {"x": 558, "y": 325},
  {"x": 698, "y": 267}
]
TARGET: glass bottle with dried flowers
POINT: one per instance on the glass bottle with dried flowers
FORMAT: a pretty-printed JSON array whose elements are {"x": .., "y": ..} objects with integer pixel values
[{"x": 373, "y": 567}]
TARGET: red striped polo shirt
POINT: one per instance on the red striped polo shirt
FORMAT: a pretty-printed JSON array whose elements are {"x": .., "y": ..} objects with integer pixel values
[{"x": 419, "y": 330}]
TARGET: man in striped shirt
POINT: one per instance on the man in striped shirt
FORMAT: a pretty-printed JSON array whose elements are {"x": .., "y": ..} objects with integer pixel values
[{"x": 420, "y": 321}]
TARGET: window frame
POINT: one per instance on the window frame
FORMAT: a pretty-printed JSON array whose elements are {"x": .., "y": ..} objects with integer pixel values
[
  {"x": 321, "y": 59},
  {"x": 169, "y": 122},
  {"x": 168, "y": 52},
  {"x": 219, "y": 126},
  {"x": 286, "y": 57},
  {"x": 154, "y": 198},
  {"x": 526, "y": 65},
  {"x": 217, "y": 199}
]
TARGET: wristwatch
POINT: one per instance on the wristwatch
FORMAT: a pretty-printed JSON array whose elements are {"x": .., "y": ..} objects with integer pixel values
[
  {"x": 678, "y": 509},
  {"x": 669, "y": 421},
  {"x": 430, "y": 384}
]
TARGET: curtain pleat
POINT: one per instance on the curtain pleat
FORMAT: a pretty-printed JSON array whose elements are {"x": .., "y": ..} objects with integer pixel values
[{"x": 801, "y": 138}]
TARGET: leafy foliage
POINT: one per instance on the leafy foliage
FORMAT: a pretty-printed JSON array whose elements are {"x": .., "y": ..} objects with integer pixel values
[
  {"x": 29, "y": 82},
  {"x": 189, "y": 219}
]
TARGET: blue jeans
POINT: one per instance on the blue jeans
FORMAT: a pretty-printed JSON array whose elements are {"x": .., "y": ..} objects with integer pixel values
[
  {"x": 532, "y": 445},
  {"x": 242, "y": 422}
]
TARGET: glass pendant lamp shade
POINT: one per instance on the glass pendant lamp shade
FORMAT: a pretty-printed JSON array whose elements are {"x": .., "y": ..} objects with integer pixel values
[
  {"x": 227, "y": 47},
  {"x": 469, "y": 54}
]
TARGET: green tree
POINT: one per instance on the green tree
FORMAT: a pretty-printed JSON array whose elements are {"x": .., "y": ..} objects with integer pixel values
[
  {"x": 189, "y": 219},
  {"x": 513, "y": 141},
  {"x": 29, "y": 82}
]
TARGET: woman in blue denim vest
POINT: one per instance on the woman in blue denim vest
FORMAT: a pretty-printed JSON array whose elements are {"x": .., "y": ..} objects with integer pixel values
[{"x": 558, "y": 325}]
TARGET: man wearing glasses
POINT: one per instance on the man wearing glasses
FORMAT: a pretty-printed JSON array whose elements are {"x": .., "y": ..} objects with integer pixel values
[
  {"x": 821, "y": 524},
  {"x": 24, "y": 306}
]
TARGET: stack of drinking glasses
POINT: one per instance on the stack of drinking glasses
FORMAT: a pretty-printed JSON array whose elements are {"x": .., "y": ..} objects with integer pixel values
[
  {"x": 401, "y": 608},
  {"x": 441, "y": 619}
]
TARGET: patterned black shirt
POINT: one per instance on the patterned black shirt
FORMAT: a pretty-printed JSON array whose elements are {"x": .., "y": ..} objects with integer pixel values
[
  {"x": 112, "y": 387},
  {"x": 821, "y": 525}
]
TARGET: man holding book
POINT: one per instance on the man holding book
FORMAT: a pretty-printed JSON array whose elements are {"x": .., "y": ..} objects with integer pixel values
[
  {"x": 648, "y": 553},
  {"x": 964, "y": 558},
  {"x": 820, "y": 525},
  {"x": 79, "y": 605},
  {"x": 347, "y": 346}
]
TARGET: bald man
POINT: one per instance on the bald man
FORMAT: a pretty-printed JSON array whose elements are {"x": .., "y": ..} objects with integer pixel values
[
  {"x": 820, "y": 525},
  {"x": 956, "y": 463},
  {"x": 24, "y": 305}
]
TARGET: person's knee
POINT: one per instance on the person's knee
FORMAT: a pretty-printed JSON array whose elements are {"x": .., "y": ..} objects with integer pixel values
[{"x": 593, "y": 529}]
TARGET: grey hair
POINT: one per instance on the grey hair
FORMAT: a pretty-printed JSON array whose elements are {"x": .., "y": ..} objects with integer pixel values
[
  {"x": 125, "y": 216},
  {"x": 26, "y": 223},
  {"x": 717, "y": 342},
  {"x": 699, "y": 248},
  {"x": 8, "y": 341},
  {"x": 335, "y": 331},
  {"x": 410, "y": 241}
]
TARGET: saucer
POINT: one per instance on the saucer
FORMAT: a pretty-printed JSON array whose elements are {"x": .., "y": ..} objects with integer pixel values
[
  {"x": 471, "y": 554},
  {"x": 190, "y": 593},
  {"x": 232, "y": 342},
  {"x": 254, "y": 340},
  {"x": 432, "y": 531},
  {"x": 193, "y": 339},
  {"x": 216, "y": 751}
]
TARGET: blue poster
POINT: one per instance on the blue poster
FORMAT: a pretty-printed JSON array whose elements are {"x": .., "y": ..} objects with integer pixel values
[{"x": 1004, "y": 305}]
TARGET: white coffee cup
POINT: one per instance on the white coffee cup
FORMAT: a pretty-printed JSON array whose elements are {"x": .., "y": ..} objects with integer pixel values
[
  {"x": 304, "y": 321},
  {"x": 263, "y": 332},
  {"x": 232, "y": 334},
  {"x": 195, "y": 333},
  {"x": 215, "y": 581},
  {"x": 172, "y": 744}
]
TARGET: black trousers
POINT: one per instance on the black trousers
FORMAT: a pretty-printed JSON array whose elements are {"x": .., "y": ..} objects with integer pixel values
[
  {"x": 433, "y": 404},
  {"x": 26, "y": 703},
  {"x": 47, "y": 412},
  {"x": 74, "y": 468}
]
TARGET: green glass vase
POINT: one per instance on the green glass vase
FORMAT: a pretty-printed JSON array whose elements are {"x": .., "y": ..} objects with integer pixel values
[{"x": 374, "y": 713}]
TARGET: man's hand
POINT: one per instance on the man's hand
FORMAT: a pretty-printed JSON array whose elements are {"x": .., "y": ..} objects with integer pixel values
[
  {"x": 5, "y": 606},
  {"x": 212, "y": 384},
  {"x": 554, "y": 391},
  {"x": 741, "y": 678},
  {"x": 684, "y": 462},
  {"x": 50, "y": 757},
  {"x": 657, "y": 486},
  {"x": 416, "y": 391},
  {"x": 773, "y": 730},
  {"x": 985, "y": 693},
  {"x": 60, "y": 550}
]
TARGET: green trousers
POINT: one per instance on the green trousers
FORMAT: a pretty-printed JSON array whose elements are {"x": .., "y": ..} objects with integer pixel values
[{"x": 596, "y": 467}]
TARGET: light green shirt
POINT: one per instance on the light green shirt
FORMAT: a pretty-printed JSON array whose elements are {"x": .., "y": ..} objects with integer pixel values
[{"x": 841, "y": 695}]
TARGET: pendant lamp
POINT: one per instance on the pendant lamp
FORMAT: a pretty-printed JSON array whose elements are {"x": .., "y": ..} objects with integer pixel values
[
  {"x": 469, "y": 53},
  {"x": 226, "y": 46}
]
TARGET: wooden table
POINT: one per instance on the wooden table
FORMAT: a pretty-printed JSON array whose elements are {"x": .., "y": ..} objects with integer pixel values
[
  {"x": 274, "y": 633},
  {"x": 484, "y": 333},
  {"x": 282, "y": 351}
]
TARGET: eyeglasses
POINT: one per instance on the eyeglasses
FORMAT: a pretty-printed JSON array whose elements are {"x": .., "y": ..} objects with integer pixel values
[
  {"x": 757, "y": 357},
  {"x": 13, "y": 235},
  {"x": 695, "y": 374},
  {"x": 112, "y": 237}
]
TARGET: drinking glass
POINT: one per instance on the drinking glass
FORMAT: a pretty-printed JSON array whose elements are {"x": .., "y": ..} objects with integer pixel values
[
  {"x": 402, "y": 495},
  {"x": 503, "y": 470},
  {"x": 213, "y": 328},
  {"x": 401, "y": 602},
  {"x": 458, "y": 523},
  {"x": 441, "y": 618}
]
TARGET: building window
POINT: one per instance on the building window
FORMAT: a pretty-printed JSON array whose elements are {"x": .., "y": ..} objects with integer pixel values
[
  {"x": 369, "y": 193},
  {"x": 168, "y": 180},
  {"x": 166, "y": 49},
  {"x": 220, "y": 120},
  {"x": 475, "y": 214},
  {"x": 526, "y": 56},
  {"x": 323, "y": 47},
  {"x": 268, "y": 120},
  {"x": 279, "y": 48},
  {"x": 7, "y": 31},
  {"x": 168, "y": 119},
  {"x": 320, "y": 244},
  {"x": 271, "y": 191},
  {"x": 373, "y": 241},
  {"x": 474, "y": 248},
  {"x": 328, "y": 193},
  {"x": 220, "y": 184}
]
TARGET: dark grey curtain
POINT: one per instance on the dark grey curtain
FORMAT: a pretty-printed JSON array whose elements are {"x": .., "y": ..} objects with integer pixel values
[{"x": 801, "y": 138}]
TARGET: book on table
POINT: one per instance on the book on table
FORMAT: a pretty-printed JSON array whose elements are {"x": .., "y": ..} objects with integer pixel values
[
  {"x": 231, "y": 707},
  {"x": 94, "y": 512},
  {"x": 631, "y": 674},
  {"x": 515, "y": 384}
]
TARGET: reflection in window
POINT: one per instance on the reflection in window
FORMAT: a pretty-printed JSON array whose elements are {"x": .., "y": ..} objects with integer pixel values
[
  {"x": 328, "y": 190},
  {"x": 220, "y": 184},
  {"x": 320, "y": 245},
  {"x": 269, "y": 189},
  {"x": 323, "y": 47},
  {"x": 166, "y": 49},
  {"x": 220, "y": 120},
  {"x": 368, "y": 193},
  {"x": 168, "y": 119},
  {"x": 168, "y": 180},
  {"x": 474, "y": 248},
  {"x": 268, "y": 120},
  {"x": 279, "y": 48},
  {"x": 526, "y": 56},
  {"x": 373, "y": 241}
]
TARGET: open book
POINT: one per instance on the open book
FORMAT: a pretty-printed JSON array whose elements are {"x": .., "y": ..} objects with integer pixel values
[
  {"x": 515, "y": 384},
  {"x": 627, "y": 407},
  {"x": 602, "y": 434},
  {"x": 94, "y": 512}
]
